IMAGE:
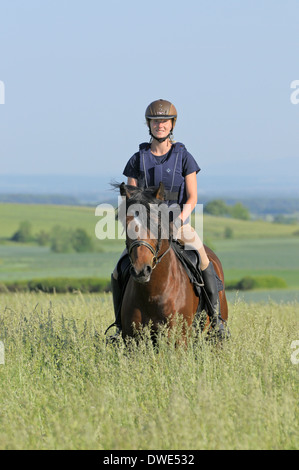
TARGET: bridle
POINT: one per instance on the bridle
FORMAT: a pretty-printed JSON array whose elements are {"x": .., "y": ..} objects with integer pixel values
[{"x": 155, "y": 251}]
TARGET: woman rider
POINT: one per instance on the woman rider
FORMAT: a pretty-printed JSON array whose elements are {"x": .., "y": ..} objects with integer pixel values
[{"x": 169, "y": 162}]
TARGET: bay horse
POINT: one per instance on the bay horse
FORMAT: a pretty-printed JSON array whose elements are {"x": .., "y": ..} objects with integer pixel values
[{"x": 159, "y": 289}]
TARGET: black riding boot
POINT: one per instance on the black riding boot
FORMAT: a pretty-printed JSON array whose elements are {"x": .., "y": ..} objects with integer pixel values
[
  {"x": 117, "y": 300},
  {"x": 212, "y": 302}
]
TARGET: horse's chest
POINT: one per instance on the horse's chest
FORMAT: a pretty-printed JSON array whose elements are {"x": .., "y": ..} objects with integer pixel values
[{"x": 166, "y": 304}]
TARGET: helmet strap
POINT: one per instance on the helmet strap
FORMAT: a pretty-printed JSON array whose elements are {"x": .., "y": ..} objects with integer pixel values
[{"x": 160, "y": 139}]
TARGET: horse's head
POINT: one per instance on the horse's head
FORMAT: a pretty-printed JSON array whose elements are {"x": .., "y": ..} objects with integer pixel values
[{"x": 143, "y": 228}]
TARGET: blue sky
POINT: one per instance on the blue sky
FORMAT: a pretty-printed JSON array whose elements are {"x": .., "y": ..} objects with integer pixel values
[{"x": 78, "y": 76}]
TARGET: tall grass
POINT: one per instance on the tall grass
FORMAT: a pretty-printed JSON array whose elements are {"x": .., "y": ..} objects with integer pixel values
[{"x": 62, "y": 387}]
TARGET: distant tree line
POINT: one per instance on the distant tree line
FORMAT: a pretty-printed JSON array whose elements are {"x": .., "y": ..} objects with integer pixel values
[
  {"x": 218, "y": 207},
  {"x": 57, "y": 199},
  {"x": 256, "y": 282},
  {"x": 59, "y": 239}
]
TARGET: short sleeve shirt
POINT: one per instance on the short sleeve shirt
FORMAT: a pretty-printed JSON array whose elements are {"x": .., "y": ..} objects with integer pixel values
[{"x": 189, "y": 164}]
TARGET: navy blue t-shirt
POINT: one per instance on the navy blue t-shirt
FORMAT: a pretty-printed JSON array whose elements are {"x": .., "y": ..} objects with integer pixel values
[{"x": 189, "y": 164}]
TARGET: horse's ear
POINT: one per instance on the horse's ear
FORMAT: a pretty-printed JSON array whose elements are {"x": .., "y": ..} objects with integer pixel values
[
  {"x": 160, "y": 192},
  {"x": 124, "y": 191}
]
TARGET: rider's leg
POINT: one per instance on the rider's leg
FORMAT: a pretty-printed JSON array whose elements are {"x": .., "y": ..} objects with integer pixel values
[
  {"x": 116, "y": 287},
  {"x": 189, "y": 236},
  {"x": 117, "y": 298}
]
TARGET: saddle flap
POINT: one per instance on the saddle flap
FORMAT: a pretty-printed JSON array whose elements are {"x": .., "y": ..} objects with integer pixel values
[{"x": 191, "y": 262}]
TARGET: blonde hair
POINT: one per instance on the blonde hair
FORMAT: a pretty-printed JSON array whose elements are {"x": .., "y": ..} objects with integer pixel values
[{"x": 171, "y": 140}]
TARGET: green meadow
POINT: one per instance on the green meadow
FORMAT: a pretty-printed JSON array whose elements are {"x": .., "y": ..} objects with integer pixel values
[
  {"x": 44, "y": 217},
  {"x": 254, "y": 248},
  {"x": 63, "y": 387}
]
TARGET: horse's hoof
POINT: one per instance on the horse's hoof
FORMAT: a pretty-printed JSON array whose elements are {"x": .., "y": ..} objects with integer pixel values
[
  {"x": 219, "y": 332},
  {"x": 114, "y": 339}
]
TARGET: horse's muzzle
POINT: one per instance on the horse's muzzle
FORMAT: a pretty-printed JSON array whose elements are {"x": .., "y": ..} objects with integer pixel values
[{"x": 143, "y": 275}]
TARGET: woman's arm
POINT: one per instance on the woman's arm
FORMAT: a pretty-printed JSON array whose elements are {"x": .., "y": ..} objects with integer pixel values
[{"x": 191, "y": 191}]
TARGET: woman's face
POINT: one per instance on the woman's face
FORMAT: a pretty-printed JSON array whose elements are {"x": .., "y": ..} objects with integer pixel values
[{"x": 160, "y": 127}]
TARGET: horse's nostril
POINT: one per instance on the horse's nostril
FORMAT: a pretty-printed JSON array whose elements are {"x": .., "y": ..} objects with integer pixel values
[
  {"x": 147, "y": 270},
  {"x": 133, "y": 271}
]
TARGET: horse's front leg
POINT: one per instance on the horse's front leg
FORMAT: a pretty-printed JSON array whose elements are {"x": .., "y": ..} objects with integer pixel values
[{"x": 131, "y": 320}]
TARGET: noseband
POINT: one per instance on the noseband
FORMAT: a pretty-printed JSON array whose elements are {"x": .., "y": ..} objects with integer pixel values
[{"x": 156, "y": 259}]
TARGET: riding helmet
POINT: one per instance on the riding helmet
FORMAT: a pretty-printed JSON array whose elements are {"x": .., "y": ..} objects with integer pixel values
[{"x": 161, "y": 109}]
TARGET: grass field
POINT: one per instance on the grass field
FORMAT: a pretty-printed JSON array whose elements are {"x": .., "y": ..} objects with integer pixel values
[
  {"x": 61, "y": 387},
  {"x": 270, "y": 256},
  {"x": 279, "y": 257},
  {"x": 45, "y": 217},
  {"x": 257, "y": 247}
]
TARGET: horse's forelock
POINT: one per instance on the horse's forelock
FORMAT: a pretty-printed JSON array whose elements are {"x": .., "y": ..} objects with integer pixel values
[{"x": 144, "y": 197}]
